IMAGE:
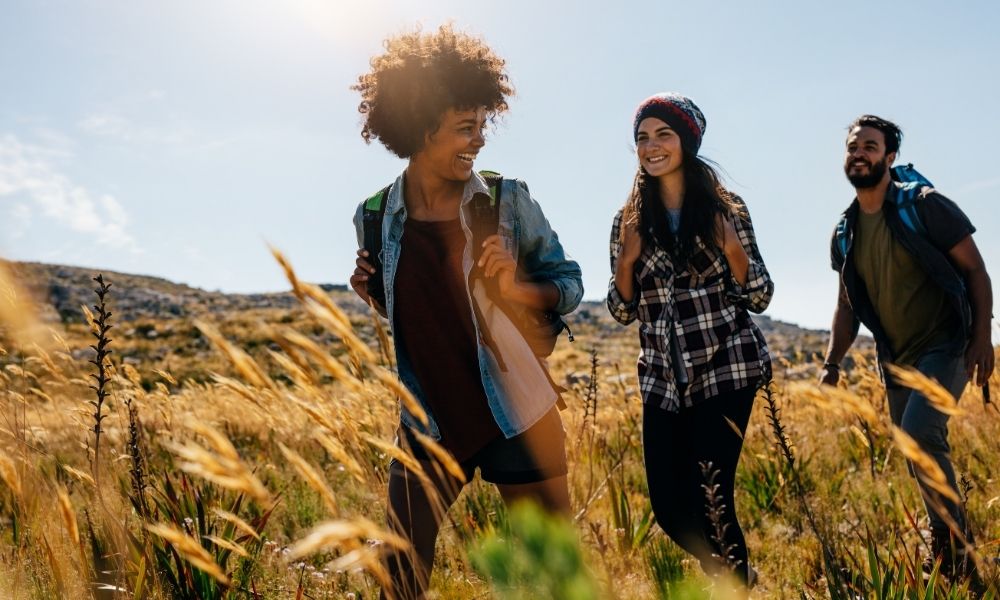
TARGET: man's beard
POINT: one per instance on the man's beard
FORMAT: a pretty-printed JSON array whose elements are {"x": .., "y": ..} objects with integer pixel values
[{"x": 876, "y": 171}]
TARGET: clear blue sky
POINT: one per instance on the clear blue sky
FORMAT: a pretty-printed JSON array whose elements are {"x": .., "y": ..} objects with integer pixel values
[{"x": 176, "y": 138}]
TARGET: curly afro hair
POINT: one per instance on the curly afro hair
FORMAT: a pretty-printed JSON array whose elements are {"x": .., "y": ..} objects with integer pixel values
[{"x": 419, "y": 77}]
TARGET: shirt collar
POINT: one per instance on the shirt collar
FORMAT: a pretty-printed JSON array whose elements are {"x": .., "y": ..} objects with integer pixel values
[{"x": 475, "y": 185}]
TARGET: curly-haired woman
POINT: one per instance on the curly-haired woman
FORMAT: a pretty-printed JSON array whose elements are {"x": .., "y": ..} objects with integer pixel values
[
  {"x": 685, "y": 263},
  {"x": 487, "y": 398}
]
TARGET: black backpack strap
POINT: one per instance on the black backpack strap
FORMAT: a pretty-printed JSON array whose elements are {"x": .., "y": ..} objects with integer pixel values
[
  {"x": 486, "y": 212},
  {"x": 372, "y": 216}
]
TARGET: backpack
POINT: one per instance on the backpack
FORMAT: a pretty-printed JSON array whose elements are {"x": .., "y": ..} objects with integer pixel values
[
  {"x": 907, "y": 196},
  {"x": 539, "y": 328}
]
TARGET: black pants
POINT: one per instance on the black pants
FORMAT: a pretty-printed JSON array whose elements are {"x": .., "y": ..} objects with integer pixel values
[{"x": 674, "y": 446}]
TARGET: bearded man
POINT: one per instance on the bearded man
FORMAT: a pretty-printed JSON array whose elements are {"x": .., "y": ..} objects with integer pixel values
[{"x": 911, "y": 272}]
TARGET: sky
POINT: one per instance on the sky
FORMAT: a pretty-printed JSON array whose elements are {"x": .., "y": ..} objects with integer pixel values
[{"x": 179, "y": 139}]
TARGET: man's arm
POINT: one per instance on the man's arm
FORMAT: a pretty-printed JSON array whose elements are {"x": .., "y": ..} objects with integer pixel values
[
  {"x": 843, "y": 331},
  {"x": 979, "y": 355}
]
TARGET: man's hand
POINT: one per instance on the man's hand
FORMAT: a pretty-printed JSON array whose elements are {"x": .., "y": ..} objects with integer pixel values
[
  {"x": 979, "y": 357},
  {"x": 829, "y": 375}
]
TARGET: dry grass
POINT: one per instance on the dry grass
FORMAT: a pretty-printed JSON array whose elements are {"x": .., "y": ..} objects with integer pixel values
[{"x": 284, "y": 452}]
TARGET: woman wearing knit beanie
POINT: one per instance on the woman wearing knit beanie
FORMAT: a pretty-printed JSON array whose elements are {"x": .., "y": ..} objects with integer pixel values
[{"x": 685, "y": 262}]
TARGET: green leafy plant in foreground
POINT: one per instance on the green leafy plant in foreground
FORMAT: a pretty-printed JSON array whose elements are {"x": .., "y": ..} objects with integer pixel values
[{"x": 538, "y": 557}]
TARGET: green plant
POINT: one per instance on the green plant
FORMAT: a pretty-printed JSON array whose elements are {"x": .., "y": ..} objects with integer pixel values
[
  {"x": 633, "y": 529},
  {"x": 540, "y": 557},
  {"x": 232, "y": 543}
]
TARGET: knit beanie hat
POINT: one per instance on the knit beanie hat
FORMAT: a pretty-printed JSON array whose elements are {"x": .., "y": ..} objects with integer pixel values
[{"x": 679, "y": 112}]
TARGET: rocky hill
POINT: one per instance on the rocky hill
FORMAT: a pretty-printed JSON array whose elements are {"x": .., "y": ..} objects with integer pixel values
[{"x": 61, "y": 290}]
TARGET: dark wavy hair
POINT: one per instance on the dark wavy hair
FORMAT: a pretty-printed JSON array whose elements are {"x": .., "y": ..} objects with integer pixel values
[
  {"x": 892, "y": 133},
  {"x": 419, "y": 77},
  {"x": 704, "y": 198}
]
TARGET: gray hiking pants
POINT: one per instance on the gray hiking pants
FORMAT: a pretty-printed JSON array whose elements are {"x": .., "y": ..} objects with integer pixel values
[{"x": 915, "y": 415}]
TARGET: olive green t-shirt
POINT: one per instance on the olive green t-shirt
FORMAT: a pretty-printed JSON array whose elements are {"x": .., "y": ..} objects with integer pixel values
[{"x": 914, "y": 312}]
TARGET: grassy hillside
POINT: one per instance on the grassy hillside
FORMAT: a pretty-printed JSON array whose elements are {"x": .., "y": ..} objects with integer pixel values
[{"x": 243, "y": 444}]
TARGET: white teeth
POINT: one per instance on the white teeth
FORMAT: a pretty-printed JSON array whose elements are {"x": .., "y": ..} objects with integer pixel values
[
  {"x": 468, "y": 157},
  {"x": 656, "y": 158}
]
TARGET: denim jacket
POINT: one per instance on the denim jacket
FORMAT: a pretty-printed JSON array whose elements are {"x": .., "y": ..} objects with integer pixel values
[{"x": 520, "y": 394}]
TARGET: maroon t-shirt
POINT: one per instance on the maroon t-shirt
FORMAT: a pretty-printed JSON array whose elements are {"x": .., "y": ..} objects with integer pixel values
[{"x": 434, "y": 328}]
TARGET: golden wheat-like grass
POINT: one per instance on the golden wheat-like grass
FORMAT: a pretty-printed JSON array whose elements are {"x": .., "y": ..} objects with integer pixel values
[
  {"x": 244, "y": 364},
  {"x": 334, "y": 534},
  {"x": 228, "y": 545},
  {"x": 938, "y": 397},
  {"x": 312, "y": 477},
  {"x": 68, "y": 515},
  {"x": 443, "y": 456},
  {"x": 239, "y": 388},
  {"x": 10, "y": 476},
  {"x": 405, "y": 458},
  {"x": 190, "y": 550},
  {"x": 81, "y": 475},
  {"x": 328, "y": 363},
  {"x": 323, "y": 313},
  {"x": 16, "y": 312},
  {"x": 391, "y": 381},
  {"x": 840, "y": 401},
  {"x": 303, "y": 379},
  {"x": 237, "y": 522},
  {"x": 927, "y": 468},
  {"x": 339, "y": 453},
  {"x": 224, "y": 467}
]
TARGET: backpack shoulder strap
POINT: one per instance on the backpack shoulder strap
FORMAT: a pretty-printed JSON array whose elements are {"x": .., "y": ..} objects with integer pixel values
[
  {"x": 486, "y": 210},
  {"x": 907, "y": 196},
  {"x": 372, "y": 216},
  {"x": 840, "y": 239}
]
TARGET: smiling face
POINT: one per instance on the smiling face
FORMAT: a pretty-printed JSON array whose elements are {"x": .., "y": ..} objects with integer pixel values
[
  {"x": 866, "y": 161},
  {"x": 658, "y": 147},
  {"x": 450, "y": 152}
]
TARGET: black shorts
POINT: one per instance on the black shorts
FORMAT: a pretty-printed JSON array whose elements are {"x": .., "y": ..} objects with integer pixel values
[{"x": 537, "y": 454}]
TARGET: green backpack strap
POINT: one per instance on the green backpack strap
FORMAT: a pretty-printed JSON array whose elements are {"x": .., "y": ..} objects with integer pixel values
[{"x": 494, "y": 181}]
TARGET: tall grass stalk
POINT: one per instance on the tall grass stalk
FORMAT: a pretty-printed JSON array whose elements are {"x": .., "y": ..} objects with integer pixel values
[{"x": 101, "y": 327}]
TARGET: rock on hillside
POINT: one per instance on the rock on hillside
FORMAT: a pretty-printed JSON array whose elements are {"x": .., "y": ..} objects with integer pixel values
[{"x": 60, "y": 291}]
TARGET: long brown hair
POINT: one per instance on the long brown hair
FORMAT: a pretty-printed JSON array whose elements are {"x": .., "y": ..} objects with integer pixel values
[{"x": 704, "y": 198}]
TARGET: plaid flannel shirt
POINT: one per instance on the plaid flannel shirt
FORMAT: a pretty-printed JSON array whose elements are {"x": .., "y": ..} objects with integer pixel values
[{"x": 721, "y": 347}]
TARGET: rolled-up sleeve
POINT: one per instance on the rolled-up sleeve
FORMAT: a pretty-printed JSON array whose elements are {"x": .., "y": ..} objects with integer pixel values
[
  {"x": 756, "y": 293},
  {"x": 542, "y": 254},
  {"x": 621, "y": 311}
]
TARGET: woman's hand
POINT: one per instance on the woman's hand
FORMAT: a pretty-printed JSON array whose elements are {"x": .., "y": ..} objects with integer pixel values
[
  {"x": 629, "y": 252},
  {"x": 732, "y": 248},
  {"x": 359, "y": 280},
  {"x": 497, "y": 262},
  {"x": 631, "y": 244},
  {"x": 726, "y": 237}
]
